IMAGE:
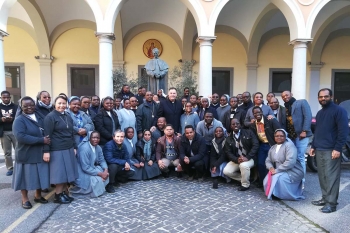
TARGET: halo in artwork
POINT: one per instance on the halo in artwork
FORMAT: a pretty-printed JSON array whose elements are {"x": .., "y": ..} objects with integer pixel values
[{"x": 151, "y": 44}]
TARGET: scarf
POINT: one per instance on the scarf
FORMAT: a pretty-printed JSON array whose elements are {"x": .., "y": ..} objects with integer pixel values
[
  {"x": 41, "y": 104},
  {"x": 218, "y": 144},
  {"x": 289, "y": 104},
  {"x": 147, "y": 149}
]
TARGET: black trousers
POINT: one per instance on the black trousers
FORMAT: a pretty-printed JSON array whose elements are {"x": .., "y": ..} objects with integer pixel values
[
  {"x": 116, "y": 173},
  {"x": 329, "y": 176},
  {"x": 199, "y": 167}
]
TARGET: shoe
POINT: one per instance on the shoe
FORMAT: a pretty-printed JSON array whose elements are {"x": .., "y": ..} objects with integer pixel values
[
  {"x": 328, "y": 209},
  {"x": 27, "y": 205},
  {"x": 9, "y": 173},
  {"x": 110, "y": 188},
  {"x": 68, "y": 197},
  {"x": 116, "y": 184},
  {"x": 242, "y": 188},
  {"x": 190, "y": 178},
  {"x": 319, "y": 202},
  {"x": 179, "y": 175},
  {"x": 59, "y": 198},
  {"x": 165, "y": 174},
  {"x": 40, "y": 200},
  {"x": 45, "y": 190},
  {"x": 215, "y": 184}
]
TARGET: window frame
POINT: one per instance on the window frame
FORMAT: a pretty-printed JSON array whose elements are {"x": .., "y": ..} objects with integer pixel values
[
  {"x": 273, "y": 70},
  {"x": 22, "y": 76},
  {"x": 82, "y": 66}
]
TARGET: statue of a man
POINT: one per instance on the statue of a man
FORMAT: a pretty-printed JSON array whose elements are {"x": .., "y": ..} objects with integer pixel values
[{"x": 157, "y": 70}]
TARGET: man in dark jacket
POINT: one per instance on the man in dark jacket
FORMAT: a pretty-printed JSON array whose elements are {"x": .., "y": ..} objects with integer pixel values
[
  {"x": 331, "y": 131},
  {"x": 118, "y": 160},
  {"x": 146, "y": 114},
  {"x": 125, "y": 93},
  {"x": 279, "y": 111},
  {"x": 241, "y": 148},
  {"x": 264, "y": 129},
  {"x": 95, "y": 104},
  {"x": 192, "y": 152},
  {"x": 233, "y": 113},
  {"x": 7, "y": 114},
  {"x": 171, "y": 109},
  {"x": 140, "y": 96},
  {"x": 247, "y": 101}
]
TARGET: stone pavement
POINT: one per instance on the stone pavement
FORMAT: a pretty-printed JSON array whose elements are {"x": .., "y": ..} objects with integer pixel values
[{"x": 177, "y": 205}]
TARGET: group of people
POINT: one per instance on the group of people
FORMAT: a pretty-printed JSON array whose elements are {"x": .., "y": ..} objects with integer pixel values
[{"x": 85, "y": 146}]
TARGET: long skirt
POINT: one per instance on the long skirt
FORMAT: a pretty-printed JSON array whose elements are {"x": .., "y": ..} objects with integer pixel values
[
  {"x": 95, "y": 189},
  {"x": 63, "y": 166},
  {"x": 220, "y": 172},
  {"x": 283, "y": 188},
  {"x": 149, "y": 172},
  {"x": 31, "y": 176}
]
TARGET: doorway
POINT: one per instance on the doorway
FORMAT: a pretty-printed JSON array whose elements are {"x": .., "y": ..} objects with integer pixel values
[
  {"x": 341, "y": 86},
  {"x": 82, "y": 80},
  {"x": 222, "y": 81}
]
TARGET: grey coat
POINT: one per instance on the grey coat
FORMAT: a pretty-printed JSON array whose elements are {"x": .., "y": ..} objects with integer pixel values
[
  {"x": 302, "y": 116},
  {"x": 89, "y": 163},
  {"x": 87, "y": 124},
  {"x": 208, "y": 134},
  {"x": 285, "y": 161}
]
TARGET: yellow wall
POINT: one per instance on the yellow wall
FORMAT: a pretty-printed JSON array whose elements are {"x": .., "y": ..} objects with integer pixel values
[
  {"x": 336, "y": 55},
  {"x": 20, "y": 47},
  {"x": 134, "y": 56},
  {"x": 75, "y": 46},
  {"x": 228, "y": 52},
  {"x": 275, "y": 53}
]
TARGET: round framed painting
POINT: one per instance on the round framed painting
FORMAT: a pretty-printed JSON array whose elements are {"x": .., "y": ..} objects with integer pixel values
[{"x": 151, "y": 44}]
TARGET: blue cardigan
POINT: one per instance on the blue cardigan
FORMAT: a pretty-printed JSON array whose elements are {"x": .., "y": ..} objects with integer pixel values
[{"x": 115, "y": 154}]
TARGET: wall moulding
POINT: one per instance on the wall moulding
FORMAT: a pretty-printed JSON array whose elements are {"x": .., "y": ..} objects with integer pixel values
[{"x": 306, "y": 2}]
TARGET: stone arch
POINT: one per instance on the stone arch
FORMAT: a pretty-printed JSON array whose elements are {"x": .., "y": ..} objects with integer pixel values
[
  {"x": 151, "y": 27},
  {"x": 23, "y": 25},
  {"x": 63, "y": 27},
  {"x": 233, "y": 32},
  {"x": 312, "y": 17},
  {"x": 5, "y": 6},
  {"x": 272, "y": 33},
  {"x": 97, "y": 11},
  {"x": 324, "y": 32},
  {"x": 187, "y": 41}
]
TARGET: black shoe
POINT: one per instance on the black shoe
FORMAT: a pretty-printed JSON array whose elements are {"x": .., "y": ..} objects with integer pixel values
[
  {"x": 116, "y": 184},
  {"x": 40, "y": 200},
  {"x": 59, "y": 198},
  {"x": 319, "y": 202},
  {"x": 215, "y": 184},
  {"x": 179, "y": 175},
  {"x": 165, "y": 174},
  {"x": 110, "y": 188},
  {"x": 27, "y": 205},
  {"x": 45, "y": 190},
  {"x": 242, "y": 188},
  {"x": 328, "y": 209},
  {"x": 68, "y": 197}
]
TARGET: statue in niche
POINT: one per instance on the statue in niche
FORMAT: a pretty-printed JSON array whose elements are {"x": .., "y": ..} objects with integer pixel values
[{"x": 156, "y": 69}]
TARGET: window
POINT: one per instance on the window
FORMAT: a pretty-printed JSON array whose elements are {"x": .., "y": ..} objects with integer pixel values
[
  {"x": 280, "y": 80},
  {"x": 14, "y": 73},
  {"x": 82, "y": 80},
  {"x": 222, "y": 81},
  {"x": 341, "y": 86}
]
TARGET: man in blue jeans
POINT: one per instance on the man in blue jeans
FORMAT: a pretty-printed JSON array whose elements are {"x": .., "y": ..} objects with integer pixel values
[{"x": 299, "y": 116}]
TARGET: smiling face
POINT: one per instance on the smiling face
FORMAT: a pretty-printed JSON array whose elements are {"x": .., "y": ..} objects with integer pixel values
[
  {"x": 193, "y": 100},
  {"x": 133, "y": 102},
  {"x": 147, "y": 135},
  {"x": 127, "y": 104},
  {"x": 280, "y": 137},
  {"x": 85, "y": 103},
  {"x": 219, "y": 133},
  {"x": 239, "y": 98},
  {"x": 108, "y": 104},
  {"x": 161, "y": 123},
  {"x": 45, "y": 97},
  {"x": 186, "y": 92},
  {"x": 172, "y": 95},
  {"x": 117, "y": 102},
  {"x": 233, "y": 103},
  {"x": 286, "y": 95},
  {"x": 257, "y": 114},
  {"x": 269, "y": 96},
  {"x": 60, "y": 104},
  {"x": 74, "y": 105},
  {"x": 149, "y": 96},
  {"x": 246, "y": 97},
  {"x": 95, "y": 138},
  {"x": 215, "y": 98},
  {"x": 28, "y": 107},
  {"x": 324, "y": 98},
  {"x": 223, "y": 100},
  {"x": 205, "y": 103},
  {"x": 274, "y": 104},
  {"x": 208, "y": 118},
  {"x": 258, "y": 99},
  {"x": 119, "y": 138},
  {"x": 189, "y": 133}
]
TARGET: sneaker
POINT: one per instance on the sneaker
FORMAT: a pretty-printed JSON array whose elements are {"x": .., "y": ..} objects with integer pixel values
[
  {"x": 9, "y": 172},
  {"x": 110, "y": 188}
]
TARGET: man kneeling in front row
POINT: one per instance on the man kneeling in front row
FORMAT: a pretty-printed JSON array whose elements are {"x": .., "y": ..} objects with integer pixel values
[{"x": 240, "y": 147}]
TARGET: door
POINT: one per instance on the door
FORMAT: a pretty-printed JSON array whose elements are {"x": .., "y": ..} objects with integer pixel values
[
  {"x": 82, "y": 81},
  {"x": 221, "y": 82},
  {"x": 341, "y": 87}
]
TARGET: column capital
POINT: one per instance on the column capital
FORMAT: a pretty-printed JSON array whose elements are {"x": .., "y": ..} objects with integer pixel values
[
  {"x": 252, "y": 66},
  {"x": 118, "y": 64},
  {"x": 207, "y": 40},
  {"x": 105, "y": 37},
  {"x": 44, "y": 61},
  {"x": 300, "y": 41},
  {"x": 3, "y": 34},
  {"x": 315, "y": 67}
]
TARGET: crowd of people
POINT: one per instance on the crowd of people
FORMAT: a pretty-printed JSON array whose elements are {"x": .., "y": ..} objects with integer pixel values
[{"x": 84, "y": 146}]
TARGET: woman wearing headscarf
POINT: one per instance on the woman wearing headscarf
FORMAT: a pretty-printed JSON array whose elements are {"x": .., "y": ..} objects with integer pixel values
[
  {"x": 127, "y": 119},
  {"x": 284, "y": 179},
  {"x": 30, "y": 171},
  {"x": 82, "y": 123},
  {"x": 161, "y": 95},
  {"x": 106, "y": 121},
  {"x": 205, "y": 107},
  {"x": 43, "y": 103},
  {"x": 146, "y": 155},
  {"x": 61, "y": 153},
  {"x": 92, "y": 168},
  {"x": 218, "y": 159},
  {"x": 131, "y": 148}
]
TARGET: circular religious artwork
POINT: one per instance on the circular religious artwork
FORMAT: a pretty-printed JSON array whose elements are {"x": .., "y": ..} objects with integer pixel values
[{"x": 151, "y": 44}]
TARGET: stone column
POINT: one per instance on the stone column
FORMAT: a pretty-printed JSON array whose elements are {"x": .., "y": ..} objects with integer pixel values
[
  {"x": 314, "y": 87},
  {"x": 299, "y": 67},
  {"x": 2, "y": 62},
  {"x": 252, "y": 77},
  {"x": 106, "y": 64},
  {"x": 45, "y": 75},
  {"x": 205, "y": 64}
]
